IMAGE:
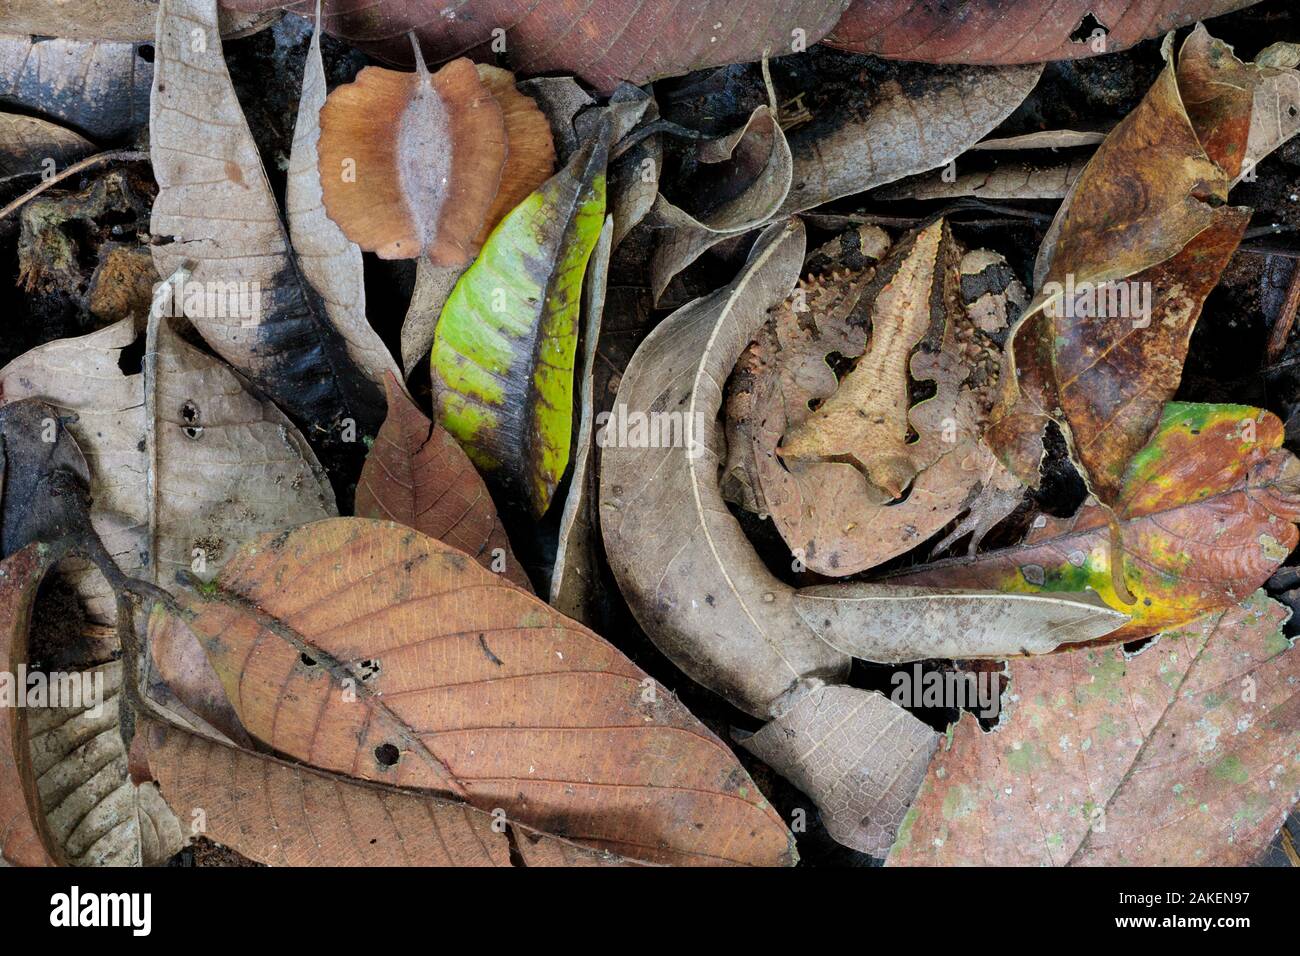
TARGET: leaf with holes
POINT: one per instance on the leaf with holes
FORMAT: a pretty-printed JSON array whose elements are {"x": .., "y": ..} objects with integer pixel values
[{"x": 368, "y": 649}]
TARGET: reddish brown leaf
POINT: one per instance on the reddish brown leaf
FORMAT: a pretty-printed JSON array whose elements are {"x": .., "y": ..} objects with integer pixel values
[
  {"x": 285, "y": 815},
  {"x": 631, "y": 40},
  {"x": 371, "y": 650},
  {"x": 1182, "y": 755},
  {"x": 417, "y": 475},
  {"x": 1030, "y": 31}
]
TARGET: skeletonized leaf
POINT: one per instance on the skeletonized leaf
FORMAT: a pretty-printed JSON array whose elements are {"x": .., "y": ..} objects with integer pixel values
[
  {"x": 1181, "y": 755},
  {"x": 395, "y": 658},
  {"x": 1205, "y": 515},
  {"x": 65, "y": 797},
  {"x": 329, "y": 261},
  {"x": 216, "y": 213},
  {"x": 504, "y": 348},
  {"x": 418, "y": 476}
]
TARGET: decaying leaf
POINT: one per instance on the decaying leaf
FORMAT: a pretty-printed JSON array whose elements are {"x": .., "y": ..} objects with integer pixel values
[
  {"x": 988, "y": 31},
  {"x": 504, "y": 349},
  {"x": 397, "y": 659},
  {"x": 378, "y": 135},
  {"x": 1205, "y": 515},
  {"x": 32, "y": 147},
  {"x": 108, "y": 19},
  {"x": 831, "y": 478},
  {"x": 282, "y": 814},
  {"x": 1131, "y": 266},
  {"x": 65, "y": 797},
  {"x": 185, "y": 463},
  {"x": 217, "y": 219},
  {"x": 418, "y": 476},
  {"x": 1181, "y": 755},
  {"x": 631, "y": 40},
  {"x": 330, "y": 262},
  {"x": 100, "y": 89}
]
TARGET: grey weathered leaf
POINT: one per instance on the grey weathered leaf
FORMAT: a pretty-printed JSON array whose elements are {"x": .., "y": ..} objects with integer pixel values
[
  {"x": 215, "y": 213},
  {"x": 100, "y": 89},
  {"x": 893, "y": 623},
  {"x": 575, "y": 578},
  {"x": 330, "y": 262},
  {"x": 109, "y": 19},
  {"x": 181, "y": 455},
  {"x": 858, "y": 758}
]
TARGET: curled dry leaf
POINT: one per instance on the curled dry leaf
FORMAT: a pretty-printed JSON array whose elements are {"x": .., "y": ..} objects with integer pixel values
[
  {"x": 282, "y": 814},
  {"x": 576, "y": 574},
  {"x": 862, "y": 135},
  {"x": 703, "y": 594},
  {"x": 100, "y": 89},
  {"x": 631, "y": 40},
  {"x": 1131, "y": 266},
  {"x": 330, "y": 262},
  {"x": 758, "y": 145},
  {"x": 1205, "y": 515},
  {"x": 989, "y": 31},
  {"x": 468, "y": 686},
  {"x": 418, "y": 476},
  {"x": 216, "y": 217},
  {"x": 28, "y": 145},
  {"x": 1181, "y": 755},
  {"x": 65, "y": 798},
  {"x": 831, "y": 478},
  {"x": 504, "y": 348},
  {"x": 1007, "y": 180},
  {"x": 377, "y": 136}
]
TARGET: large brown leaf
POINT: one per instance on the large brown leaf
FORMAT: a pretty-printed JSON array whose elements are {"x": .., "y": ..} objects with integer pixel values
[
  {"x": 631, "y": 40},
  {"x": 368, "y": 649},
  {"x": 1181, "y": 755},
  {"x": 1031, "y": 31},
  {"x": 282, "y": 814},
  {"x": 417, "y": 475}
]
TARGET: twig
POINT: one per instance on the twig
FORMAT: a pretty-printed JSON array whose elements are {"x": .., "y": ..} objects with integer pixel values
[
  {"x": 1285, "y": 317},
  {"x": 124, "y": 155}
]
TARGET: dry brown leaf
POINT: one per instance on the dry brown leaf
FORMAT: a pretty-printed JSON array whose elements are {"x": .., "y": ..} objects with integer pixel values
[
  {"x": 282, "y": 814},
  {"x": 394, "y": 658},
  {"x": 29, "y": 145},
  {"x": 1180, "y": 755},
  {"x": 417, "y": 475},
  {"x": 990, "y": 31}
]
